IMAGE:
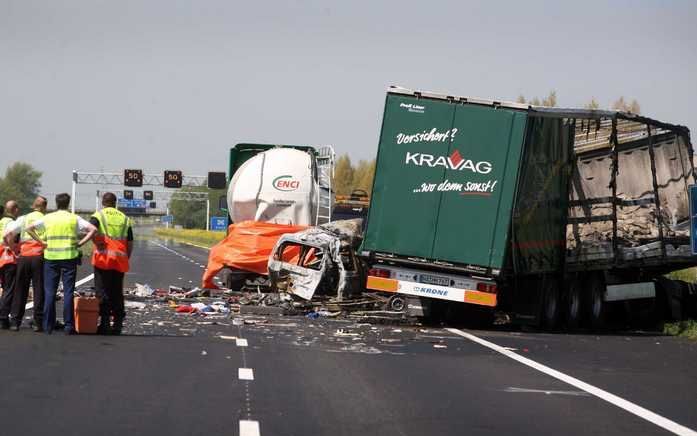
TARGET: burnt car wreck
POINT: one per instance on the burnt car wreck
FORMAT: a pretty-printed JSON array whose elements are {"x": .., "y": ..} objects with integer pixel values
[{"x": 319, "y": 261}]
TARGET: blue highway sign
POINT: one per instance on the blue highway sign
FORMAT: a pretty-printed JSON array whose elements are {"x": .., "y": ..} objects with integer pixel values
[{"x": 218, "y": 223}]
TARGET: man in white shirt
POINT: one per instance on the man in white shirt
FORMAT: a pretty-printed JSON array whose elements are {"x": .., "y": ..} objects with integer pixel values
[{"x": 30, "y": 265}]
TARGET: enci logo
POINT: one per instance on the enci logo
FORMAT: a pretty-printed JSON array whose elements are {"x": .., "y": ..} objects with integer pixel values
[{"x": 286, "y": 183}]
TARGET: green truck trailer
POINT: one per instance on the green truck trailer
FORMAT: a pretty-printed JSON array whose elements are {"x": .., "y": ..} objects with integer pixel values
[{"x": 551, "y": 214}]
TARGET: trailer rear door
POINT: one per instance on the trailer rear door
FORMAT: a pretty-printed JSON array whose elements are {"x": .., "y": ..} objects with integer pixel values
[
  {"x": 474, "y": 217},
  {"x": 444, "y": 181},
  {"x": 404, "y": 221}
]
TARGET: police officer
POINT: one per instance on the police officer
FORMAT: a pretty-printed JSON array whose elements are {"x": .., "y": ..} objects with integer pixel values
[
  {"x": 30, "y": 265},
  {"x": 61, "y": 257},
  {"x": 112, "y": 249},
  {"x": 8, "y": 268}
]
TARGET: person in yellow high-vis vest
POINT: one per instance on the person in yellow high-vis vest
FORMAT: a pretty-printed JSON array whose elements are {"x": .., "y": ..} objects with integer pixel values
[
  {"x": 30, "y": 265},
  {"x": 112, "y": 249},
  {"x": 62, "y": 231},
  {"x": 8, "y": 267}
]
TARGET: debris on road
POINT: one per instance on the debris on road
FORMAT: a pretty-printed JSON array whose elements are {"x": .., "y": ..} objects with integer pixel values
[
  {"x": 137, "y": 305},
  {"x": 143, "y": 290}
]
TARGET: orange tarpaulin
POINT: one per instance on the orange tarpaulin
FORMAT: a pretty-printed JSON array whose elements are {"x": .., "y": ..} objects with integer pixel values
[{"x": 247, "y": 247}]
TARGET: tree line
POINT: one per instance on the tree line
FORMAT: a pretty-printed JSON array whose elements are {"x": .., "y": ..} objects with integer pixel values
[
  {"x": 349, "y": 177},
  {"x": 21, "y": 183},
  {"x": 621, "y": 104},
  {"x": 191, "y": 214}
]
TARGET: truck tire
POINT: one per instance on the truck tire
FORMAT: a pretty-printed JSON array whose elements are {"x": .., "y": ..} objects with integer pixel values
[
  {"x": 234, "y": 280},
  {"x": 598, "y": 307},
  {"x": 551, "y": 305},
  {"x": 574, "y": 304}
]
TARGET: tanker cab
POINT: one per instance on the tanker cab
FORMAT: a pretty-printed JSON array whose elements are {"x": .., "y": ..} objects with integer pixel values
[{"x": 442, "y": 286}]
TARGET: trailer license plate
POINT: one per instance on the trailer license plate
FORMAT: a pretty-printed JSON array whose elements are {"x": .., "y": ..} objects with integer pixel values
[{"x": 434, "y": 280}]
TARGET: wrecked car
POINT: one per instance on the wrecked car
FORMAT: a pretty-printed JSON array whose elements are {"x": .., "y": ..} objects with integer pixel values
[{"x": 319, "y": 260}]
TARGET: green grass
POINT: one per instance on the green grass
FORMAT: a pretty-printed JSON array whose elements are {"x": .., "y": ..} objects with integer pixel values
[
  {"x": 686, "y": 329},
  {"x": 198, "y": 237},
  {"x": 687, "y": 275}
]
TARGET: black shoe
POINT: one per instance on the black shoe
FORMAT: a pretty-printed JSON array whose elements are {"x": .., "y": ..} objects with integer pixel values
[
  {"x": 37, "y": 328},
  {"x": 59, "y": 325},
  {"x": 69, "y": 332},
  {"x": 49, "y": 331},
  {"x": 103, "y": 329},
  {"x": 117, "y": 327}
]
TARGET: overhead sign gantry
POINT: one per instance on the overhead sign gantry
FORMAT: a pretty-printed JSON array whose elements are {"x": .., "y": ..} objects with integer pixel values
[{"x": 173, "y": 179}]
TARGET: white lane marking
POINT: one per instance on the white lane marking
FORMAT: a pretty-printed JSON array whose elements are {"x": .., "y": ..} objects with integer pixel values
[
  {"x": 85, "y": 280},
  {"x": 639, "y": 411},
  {"x": 546, "y": 392},
  {"x": 245, "y": 373},
  {"x": 230, "y": 338},
  {"x": 241, "y": 342},
  {"x": 249, "y": 428},
  {"x": 175, "y": 252},
  {"x": 30, "y": 305}
]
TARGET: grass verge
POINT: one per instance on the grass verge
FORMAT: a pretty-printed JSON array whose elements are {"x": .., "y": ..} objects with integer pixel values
[
  {"x": 687, "y": 275},
  {"x": 192, "y": 236},
  {"x": 685, "y": 329}
]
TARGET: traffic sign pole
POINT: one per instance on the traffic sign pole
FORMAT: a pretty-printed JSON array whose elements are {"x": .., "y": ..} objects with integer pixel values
[
  {"x": 72, "y": 197},
  {"x": 692, "y": 197},
  {"x": 208, "y": 213}
]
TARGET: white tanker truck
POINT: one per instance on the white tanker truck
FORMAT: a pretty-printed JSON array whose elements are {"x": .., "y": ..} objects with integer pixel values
[{"x": 280, "y": 184}]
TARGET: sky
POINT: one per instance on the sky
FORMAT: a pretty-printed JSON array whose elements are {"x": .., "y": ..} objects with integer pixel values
[{"x": 167, "y": 84}]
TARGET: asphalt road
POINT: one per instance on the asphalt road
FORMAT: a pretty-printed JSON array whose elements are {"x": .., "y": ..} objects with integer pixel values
[{"x": 179, "y": 375}]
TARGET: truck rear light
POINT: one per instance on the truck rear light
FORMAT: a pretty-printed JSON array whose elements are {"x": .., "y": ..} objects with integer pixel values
[
  {"x": 486, "y": 287},
  {"x": 379, "y": 272}
]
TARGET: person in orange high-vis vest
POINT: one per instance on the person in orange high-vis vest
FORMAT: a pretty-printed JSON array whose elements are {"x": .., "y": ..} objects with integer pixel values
[
  {"x": 112, "y": 249},
  {"x": 30, "y": 265},
  {"x": 8, "y": 267}
]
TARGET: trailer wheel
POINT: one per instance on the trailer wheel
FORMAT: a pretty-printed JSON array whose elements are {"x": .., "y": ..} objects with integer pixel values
[
  {"x": 397, "y": 303},
  {"x": 598, "y": 305},
  {"x": 551, "y": 308},
  {"x": 574, "y": 304},
  {"x": 234, "y": 280}
]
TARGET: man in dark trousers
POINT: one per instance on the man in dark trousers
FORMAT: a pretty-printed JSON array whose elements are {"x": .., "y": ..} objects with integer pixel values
[
  {"x": 30, "y": 264},
  {"x": 8, "y": 267},
  {"x": 112, "y": 250},
  {"x": 2, "y": 212}
]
